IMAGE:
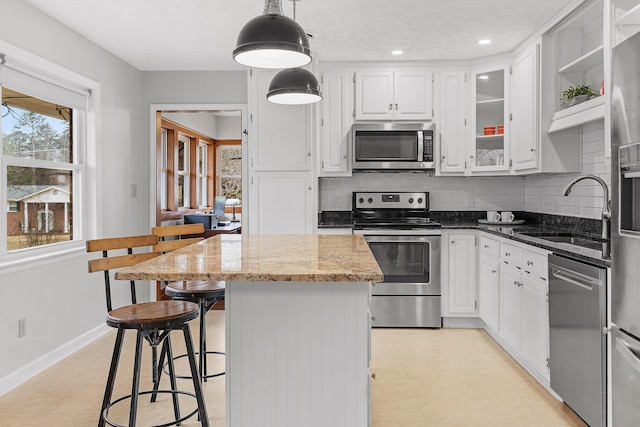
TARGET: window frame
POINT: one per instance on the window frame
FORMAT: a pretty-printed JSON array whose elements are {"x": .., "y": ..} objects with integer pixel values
[{"x": 87, "y": 203}]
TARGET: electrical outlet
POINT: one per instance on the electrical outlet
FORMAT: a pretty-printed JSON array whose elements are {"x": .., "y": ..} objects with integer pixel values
[{"x": 22, "y": 327}]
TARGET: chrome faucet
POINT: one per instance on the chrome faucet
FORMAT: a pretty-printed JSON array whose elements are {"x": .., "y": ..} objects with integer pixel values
[{"x": 606, "y": 210}]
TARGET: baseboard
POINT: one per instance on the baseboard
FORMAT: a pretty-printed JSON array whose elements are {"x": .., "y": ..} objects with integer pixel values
[
  {"x": 462, "y": 322},
  {"x": 32, "y": 369}
]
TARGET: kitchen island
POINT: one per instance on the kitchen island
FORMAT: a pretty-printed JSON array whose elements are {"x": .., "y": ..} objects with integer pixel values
[{"x": 297, "y": 323}]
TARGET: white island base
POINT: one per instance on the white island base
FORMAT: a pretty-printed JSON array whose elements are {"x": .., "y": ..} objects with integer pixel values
[{"x": 297, "y": 354}]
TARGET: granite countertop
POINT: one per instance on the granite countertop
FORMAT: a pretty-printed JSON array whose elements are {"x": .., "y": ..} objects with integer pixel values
[
  {"x": 257, "y": 258},
  {"x": 600, "y": 257},
  {"x": 534, "y": 222}
]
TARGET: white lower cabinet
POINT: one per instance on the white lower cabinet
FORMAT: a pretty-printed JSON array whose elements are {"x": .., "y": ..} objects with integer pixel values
[
  {"x": 489, "y": 283},
  {"x": 459, "y": 274},
  {"x": 514, "y": 305},
  {"x": 510, "y": 307},
  {"x": 534, "y": 343}
]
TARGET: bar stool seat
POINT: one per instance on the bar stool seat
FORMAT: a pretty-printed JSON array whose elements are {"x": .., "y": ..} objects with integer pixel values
[{"x": 206, "y": 294}]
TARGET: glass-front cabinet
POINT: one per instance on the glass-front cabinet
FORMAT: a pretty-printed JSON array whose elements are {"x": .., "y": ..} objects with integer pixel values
[{"x": 490, "y": 120}]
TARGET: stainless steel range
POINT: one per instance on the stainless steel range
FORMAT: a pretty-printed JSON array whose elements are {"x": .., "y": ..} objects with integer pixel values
[{"x": 406, "y": 244}]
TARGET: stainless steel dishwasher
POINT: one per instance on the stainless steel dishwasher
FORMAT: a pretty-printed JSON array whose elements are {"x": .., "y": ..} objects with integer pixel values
[{"x": 577, "y": 317}]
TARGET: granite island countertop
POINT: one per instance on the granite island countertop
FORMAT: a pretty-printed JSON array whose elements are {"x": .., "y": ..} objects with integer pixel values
[{"x": 259, "y": 258}]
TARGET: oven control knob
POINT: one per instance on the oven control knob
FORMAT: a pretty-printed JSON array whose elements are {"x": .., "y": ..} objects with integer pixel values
[
  {"x": 411, "y": 201},
  {"x": 370, "y": 200},
  {"x": 420, "y": 201},
  {"x": 360, "y": 200}
]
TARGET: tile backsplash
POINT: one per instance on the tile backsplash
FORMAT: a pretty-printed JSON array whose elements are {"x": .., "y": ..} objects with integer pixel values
[{"x": 541, "y": 194}]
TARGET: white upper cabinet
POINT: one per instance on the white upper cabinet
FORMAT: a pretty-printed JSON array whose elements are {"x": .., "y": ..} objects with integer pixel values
[
  {"x": 490, "y": 119},
  {"x": 280, "y": 135},
  {"x": 281, "y": 203},
  {"x": 525, "y": 125},
  {"x": 405, "y": 94},
  {"x": 452, "y": 123},
  {"x": 335, "y": 122}
]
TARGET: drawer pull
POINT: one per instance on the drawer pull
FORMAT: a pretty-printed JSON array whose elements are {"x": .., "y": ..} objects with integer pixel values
[
  {"x": 507, "y": 254},
  {"x": 486, "y": 246},
  {"x": 493, "y": 271},
  {"x": 529, "y": 262},
  {"x": 528, "y": 272}
]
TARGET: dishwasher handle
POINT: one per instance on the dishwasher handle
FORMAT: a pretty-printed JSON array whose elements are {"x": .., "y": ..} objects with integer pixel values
[
  {"x": 628, "y": 354},
  {"x": 573, "y": 277}
]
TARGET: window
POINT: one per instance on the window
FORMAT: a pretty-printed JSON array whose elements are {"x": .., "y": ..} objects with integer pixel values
[
  {"x": 45, "y": 145},
  {"x": 182, "y": 170},
  {"x": 201, "y": 175},
  {"x": 164, "y": 171},
  {"x": 229, "y": 170}
]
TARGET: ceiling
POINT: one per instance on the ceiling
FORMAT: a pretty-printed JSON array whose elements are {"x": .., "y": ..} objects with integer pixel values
[{"x": 201, "y": 34}]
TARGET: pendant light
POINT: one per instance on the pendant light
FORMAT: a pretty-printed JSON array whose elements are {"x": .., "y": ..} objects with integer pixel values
[
  {"x": 272, "y": 40},
  {"x": 294, "y": 86}
]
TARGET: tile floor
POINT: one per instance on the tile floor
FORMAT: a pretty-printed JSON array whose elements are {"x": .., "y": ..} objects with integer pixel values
[{"x": 447, "y": 377}]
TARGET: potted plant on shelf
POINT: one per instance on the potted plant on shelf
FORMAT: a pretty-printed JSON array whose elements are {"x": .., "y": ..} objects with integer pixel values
[{"x": 577, "y": 94}]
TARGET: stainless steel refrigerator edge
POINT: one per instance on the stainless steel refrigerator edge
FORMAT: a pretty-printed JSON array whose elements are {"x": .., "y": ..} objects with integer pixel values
[{"x": 625, "y": 232}]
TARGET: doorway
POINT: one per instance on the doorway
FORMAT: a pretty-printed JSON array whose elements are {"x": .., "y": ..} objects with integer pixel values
[{"x": 187, "y": 176}]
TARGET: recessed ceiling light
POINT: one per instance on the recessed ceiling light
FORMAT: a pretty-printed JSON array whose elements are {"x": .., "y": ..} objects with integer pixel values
[
  {"x": 397, "y": 52},
  {"x": 483, "y": 77},
  {"x": 484, "y": 41}
]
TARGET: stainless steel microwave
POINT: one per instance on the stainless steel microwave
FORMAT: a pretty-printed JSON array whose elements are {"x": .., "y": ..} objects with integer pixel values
[{"x": 393, "y": 146}]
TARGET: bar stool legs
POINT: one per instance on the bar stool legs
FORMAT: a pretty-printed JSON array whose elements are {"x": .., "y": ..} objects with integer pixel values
[{"x": 135, "y": 386}]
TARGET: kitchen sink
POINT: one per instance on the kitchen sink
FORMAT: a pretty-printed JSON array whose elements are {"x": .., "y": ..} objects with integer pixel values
[{"x": 570, "y": 238}]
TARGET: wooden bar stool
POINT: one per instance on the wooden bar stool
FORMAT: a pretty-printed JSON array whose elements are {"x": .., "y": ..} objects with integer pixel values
[
  {"x": 153, "y": 322},
  {"x": 205, "y": 293}
]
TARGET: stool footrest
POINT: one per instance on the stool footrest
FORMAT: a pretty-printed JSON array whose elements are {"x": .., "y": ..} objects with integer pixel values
[{"x": 105, "y": 413}]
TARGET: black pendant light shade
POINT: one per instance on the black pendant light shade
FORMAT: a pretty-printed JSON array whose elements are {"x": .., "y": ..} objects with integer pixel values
[
  {"x": 294, "y": 86},
  {"x": 274, "y": 41}
]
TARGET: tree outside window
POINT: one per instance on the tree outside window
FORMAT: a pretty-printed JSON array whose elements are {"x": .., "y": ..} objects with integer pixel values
[{"x": 229, "y": 170}]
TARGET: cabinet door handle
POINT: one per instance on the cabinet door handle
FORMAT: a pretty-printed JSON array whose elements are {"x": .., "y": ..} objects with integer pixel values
[
  {"x": 515, "y": 282},
  {"x": 533, "y": 150},
  {"x": 493, "y": 271},
  {"x": 390, "y": 107},
  {"x": 529, "y": 262},
  {"x": 507, "y": 254},
  {"x": 396, "y": 106},
  {"x": 485, "y": 246}
]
